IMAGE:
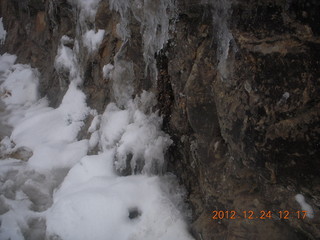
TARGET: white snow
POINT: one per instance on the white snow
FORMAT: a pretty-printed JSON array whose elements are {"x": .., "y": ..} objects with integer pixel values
[
  {"x": 88, "y": 7},
  {"x": 95, "y": 124},
  {"x": 92, "y": 39},
  {"x": 51, "y": 133},
  {"x": 87, "y": 4},
  {"x": 106, "y": 70},
  {"x": 114, "y": 122},
  {"x": 3, "y": 33},
  {"x": 91, "y": 201},
  {"x": 304, "y": 205},
  {"x": 94, "y": 140},
  {"x": 68, "y": 193},
  {"x": 21, "y": 84},
  {"x": 93, "y": 194},
  {"x": 65, "y": 60},
  {"x": 13, "y": 220},
  {"x": 286, "y": 95},
  {"x": 6, "y": 61}
]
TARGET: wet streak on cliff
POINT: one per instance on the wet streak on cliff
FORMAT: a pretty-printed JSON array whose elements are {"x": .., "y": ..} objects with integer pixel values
[{"x": 264, "y": 146}]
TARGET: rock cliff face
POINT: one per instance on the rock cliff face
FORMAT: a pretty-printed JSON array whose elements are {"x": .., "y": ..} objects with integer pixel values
[
  {"x": 247, "y": 123},
  {"x": 238, "y": 84}
]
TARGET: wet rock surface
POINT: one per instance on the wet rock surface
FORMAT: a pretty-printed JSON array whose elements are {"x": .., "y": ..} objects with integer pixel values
[
  {"x": 249, "y": 141},
  {"x": 245, "y": 120}
]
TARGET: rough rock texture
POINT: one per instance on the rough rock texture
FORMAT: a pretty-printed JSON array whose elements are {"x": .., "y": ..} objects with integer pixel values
[
  {"x": 248, "y": 140},
  {"x": 34, "y": 29},
  {"x": 239, "y": 88}
]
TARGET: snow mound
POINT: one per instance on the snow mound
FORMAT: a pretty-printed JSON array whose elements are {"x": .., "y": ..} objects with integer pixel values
[
  {"x": 52, "y": 133},
  {"x": 20, "y": 85},
  {"x": 136, "y": 133},
  {"x": 92, "y": 39},
  {"x": 93, "y": 203},
  {"x": 65, "y": 62},
  {"x": 61, "y": 192}
]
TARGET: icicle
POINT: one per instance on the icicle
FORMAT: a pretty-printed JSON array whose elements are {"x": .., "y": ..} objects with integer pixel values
[
  {"x": 3, "y": 33},
  {"x": 154, "y": 17},
  {"x": 225, "y": 43}
]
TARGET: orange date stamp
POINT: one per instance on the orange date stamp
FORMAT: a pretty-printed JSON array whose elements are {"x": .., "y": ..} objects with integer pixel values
[{"x": 263, "y": 215}]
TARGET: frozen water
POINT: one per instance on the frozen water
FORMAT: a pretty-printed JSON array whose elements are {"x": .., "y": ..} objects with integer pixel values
[
  {"x": 154, "y": 17},
  {"x": 137, "y": 136},
  {"x": 304, "y": 205},
  {"x": 65, "y": 62},
  {"x": 107, "y": 70},
  {"x": 122, "y": 79},
  {"x": 6, "y": 61},
  {"x": 221, "y": 10},
  {"x": 92, "y": 39},
  {"x": 3, "y": 33},
  {"x": 59, "y": 191},
  {"x": 92, "y": 201},
  {"x": 88, "y": 7}
]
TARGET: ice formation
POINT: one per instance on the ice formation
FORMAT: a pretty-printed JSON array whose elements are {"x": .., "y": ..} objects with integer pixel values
[
  {"x": 304, "y": 205},
  {"x": 53, "y": 188}
]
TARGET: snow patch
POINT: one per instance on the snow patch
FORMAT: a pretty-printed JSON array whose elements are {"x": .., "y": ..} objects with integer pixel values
[
  {"x": 20, "y": 85},
  {"x": 65, "y": 59},
  {"x": 3, "y": 33},
  {"x": 93, "y": 200},
  {"x": 51, "y": 133},
  {"x": 6, "y": 61},
  {"x": 122, "y": 81},
  {"x": 304, "y": 205},
  {"x": 92, "y": 39},
  {"x": 95, "y": 124},
  {"x": 106, "y": 70},
  {"x": 94, "y": 140},
  {"x": 136, "y": 133}
]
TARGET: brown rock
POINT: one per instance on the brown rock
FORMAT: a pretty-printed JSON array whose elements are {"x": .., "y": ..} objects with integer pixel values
[{"x": 40, "y": 22}]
